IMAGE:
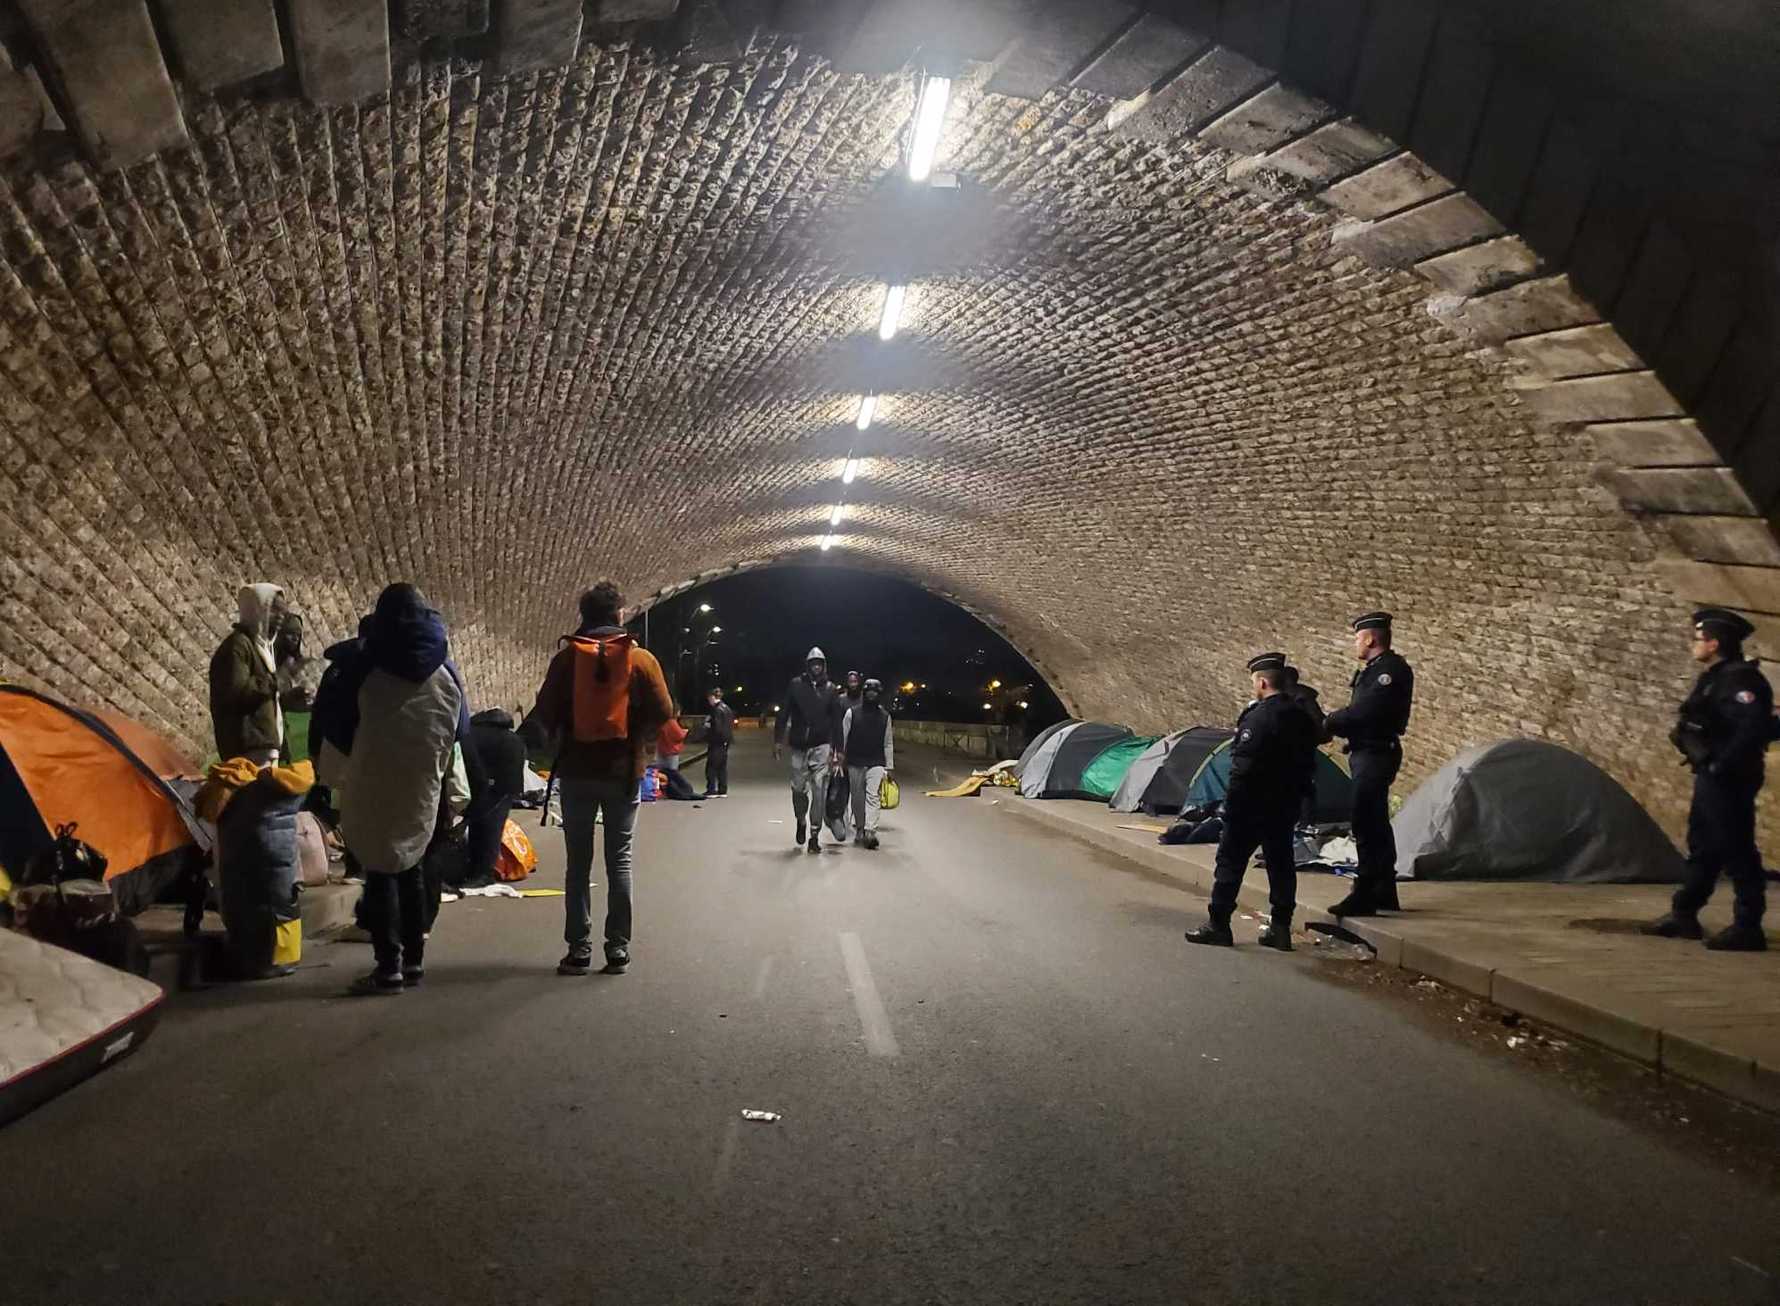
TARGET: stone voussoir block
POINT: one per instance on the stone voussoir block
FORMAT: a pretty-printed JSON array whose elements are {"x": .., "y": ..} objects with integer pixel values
[{"x": 1415, "y": 234}]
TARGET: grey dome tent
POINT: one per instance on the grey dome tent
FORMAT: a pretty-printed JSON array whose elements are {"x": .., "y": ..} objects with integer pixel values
[
  {"x": 1038, "y": 742},
  {"x": 1158, "y": 780},
  {"x": 1055, "y": 770},
  {"x": 1523, "y": 809}
]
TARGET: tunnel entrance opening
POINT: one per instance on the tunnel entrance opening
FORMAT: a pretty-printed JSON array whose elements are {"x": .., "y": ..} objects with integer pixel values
[{"x": 748, "y": 633}]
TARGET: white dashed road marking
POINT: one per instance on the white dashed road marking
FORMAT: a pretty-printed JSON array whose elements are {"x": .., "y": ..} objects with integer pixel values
[{"x": 879, "y": 1041}]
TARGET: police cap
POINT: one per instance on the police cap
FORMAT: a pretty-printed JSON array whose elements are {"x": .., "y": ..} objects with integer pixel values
[
  {"x": 1373, "y": 621},
  {"x": 1267, "y": 662},
  {"x": 1722, "y": 623}
]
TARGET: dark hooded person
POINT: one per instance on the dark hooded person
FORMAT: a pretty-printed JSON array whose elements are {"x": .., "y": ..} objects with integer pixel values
[
  {"x": 1373, "y": 723},
  {"x": 409, "y": 705},
  {"x": 1722, "y": 732},
  {"x": 603, "y": 701},
  {"x": 868, "y": 750},
  {"x": 244, "y": 712},
  {"x": 500, "y": 755},
  {"x": 810, "y": 726},
  {"x": 1274, "y": 747}
]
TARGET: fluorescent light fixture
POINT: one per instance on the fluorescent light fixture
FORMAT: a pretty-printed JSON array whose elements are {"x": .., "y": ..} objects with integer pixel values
[
  {"x": 827, "y": 543},
  {"x": 892, "y": 315},
  {"x": 834, "y": 518},
  {"x": 868, "y": 407},
  {"x": 849, "y": 471},
  {"x": 930, "y": 122}
]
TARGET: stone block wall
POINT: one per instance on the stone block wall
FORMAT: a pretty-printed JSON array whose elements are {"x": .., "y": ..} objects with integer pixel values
[{"x": 502, "y": 336}]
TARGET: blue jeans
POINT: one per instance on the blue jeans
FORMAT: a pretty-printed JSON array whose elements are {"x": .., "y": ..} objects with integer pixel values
[{"x": 584, "y": 800}]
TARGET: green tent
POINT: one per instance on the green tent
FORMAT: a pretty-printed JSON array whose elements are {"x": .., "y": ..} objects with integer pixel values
[{"x": 1101, "y": 777}]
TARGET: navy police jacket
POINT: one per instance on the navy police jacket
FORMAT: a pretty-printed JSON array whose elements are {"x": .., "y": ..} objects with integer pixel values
[
  {"x": 1726, "y": 722},
  {"x": 1379, "y": 710},
  {"x": 1274, "y": 750}
]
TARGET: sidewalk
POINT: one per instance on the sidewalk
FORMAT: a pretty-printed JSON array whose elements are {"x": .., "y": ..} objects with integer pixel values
[{"x": 1560, "y": 953}]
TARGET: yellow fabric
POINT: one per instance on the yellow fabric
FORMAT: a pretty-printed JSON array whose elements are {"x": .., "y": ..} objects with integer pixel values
[
  {"x": 5, "y": 885},
  {"x": 287, "y": 943},
  {"x": 965, "y": 790},
  {"x": 540, "y": 893},
  {"x": 237, "y": 773},
  {"x": 889, "y": 794}
]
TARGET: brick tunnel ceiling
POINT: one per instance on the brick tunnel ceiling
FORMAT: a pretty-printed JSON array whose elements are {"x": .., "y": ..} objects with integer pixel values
[{"x": 504, "y": 336}]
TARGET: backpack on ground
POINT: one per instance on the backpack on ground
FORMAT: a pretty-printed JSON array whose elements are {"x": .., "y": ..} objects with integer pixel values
[{"x": 601, "y": 683}]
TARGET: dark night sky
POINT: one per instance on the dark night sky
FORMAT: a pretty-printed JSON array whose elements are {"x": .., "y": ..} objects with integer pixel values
[{"x": 863, "y": 621}]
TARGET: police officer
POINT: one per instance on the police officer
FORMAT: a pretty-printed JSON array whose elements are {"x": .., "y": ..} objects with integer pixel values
[
  {"x": 1372, "y": 724},
  {"x": 1723, "y": 730},
  {"x": 1275, "y": 739}
]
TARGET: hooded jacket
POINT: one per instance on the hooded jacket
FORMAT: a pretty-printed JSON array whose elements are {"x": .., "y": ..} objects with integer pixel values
[
  {"x": 244, "y": 713},
  {"x": 409, "y": 706},
  {"x": 812, "y": 715}
]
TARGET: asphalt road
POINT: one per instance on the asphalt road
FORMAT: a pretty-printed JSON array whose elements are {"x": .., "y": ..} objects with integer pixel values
[{"x": 1003, "y": 1077}]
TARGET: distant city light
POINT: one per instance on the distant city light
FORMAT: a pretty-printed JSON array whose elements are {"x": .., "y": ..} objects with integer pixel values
[
  {"x": 1024, "y": 704},
  {"x": 716, "y": 630},
  {"x": 704, "y": 607},
  {"x": 986, "y": 707}
]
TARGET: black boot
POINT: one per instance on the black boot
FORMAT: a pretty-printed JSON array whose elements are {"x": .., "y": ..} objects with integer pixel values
[
  {"x": 1387, "y": 895},
  {"x": 1674, "y": 925},
  {"x": 1277, "y": 935},
  {"x": 815, "y": 843},
  {"x": 1738, "y": 938},
  {"x": 1358, "y": 903},
  {"x": 803, "y": 832},
  {"x": 1215, "y": 933}
]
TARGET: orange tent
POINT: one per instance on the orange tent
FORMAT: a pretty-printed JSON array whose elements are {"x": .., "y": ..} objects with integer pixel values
[{"x": 59, "y": 764}]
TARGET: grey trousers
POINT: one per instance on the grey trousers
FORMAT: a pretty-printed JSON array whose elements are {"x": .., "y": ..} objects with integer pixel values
[
  {"x": 583, "y": 802},
  {"x": 868, "y": 784}
]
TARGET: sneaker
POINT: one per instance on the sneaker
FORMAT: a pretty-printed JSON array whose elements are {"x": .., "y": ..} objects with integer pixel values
[
  {"x": 871, "y": 842},
  {"x": 412, "y": 975},
  {"x": 803, "y": 832},
  {"x": 576, "y": 963},
  {"x": 815, "y": 843},
  {"x": 376, "y": 984},
  {"x": 1277, "y": 937},
  {"x": 1358, "y": 903},
  {"x": 1674, "y": 925},
  {"x": 1218, "y": 936},
  {"x": 617, "y": 961},
  {"x": 723, "y": 793},
  {"x": 1739, "y": 938}
]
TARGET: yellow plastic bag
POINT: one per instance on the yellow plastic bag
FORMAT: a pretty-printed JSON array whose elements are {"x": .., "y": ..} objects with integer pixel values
[{"x": 889, "y": 795}]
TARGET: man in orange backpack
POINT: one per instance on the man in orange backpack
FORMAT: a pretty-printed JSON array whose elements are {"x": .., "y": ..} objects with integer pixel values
[{"x": 604, "y": 700}]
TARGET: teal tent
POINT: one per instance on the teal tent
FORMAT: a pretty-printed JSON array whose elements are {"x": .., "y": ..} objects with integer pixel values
[
  {"x": 1101, "y": 777},
  {"x": 1334, "y": 787}
]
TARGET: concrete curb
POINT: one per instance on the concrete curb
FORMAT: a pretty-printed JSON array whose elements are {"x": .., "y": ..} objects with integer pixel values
[
  {"x": 327, "y": 908},
  {"x": 1543, "y": 993}
]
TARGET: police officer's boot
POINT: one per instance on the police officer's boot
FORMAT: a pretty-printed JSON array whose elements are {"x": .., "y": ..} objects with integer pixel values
[
  {"x": 1277, "y": 935},
  {"x": 1738, "y": 938},
  {"x": 1674, "y": 925},
  {"x": 1386, "y": 894},
  {"x": 1358, "y": 903},
  {"x": 1214, "y": 932}
]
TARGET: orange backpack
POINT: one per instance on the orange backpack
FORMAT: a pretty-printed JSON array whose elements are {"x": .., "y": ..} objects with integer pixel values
[{"x": 601, "y": 687}]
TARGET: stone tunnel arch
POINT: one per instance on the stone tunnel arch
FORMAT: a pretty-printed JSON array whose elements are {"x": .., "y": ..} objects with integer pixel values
[
  {"x": 236, "y": 297},
  {"x": 812, "y": 557}
]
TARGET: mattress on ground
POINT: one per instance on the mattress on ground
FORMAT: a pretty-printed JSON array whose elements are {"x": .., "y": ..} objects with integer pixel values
[{"x": 63, "y": 1018}]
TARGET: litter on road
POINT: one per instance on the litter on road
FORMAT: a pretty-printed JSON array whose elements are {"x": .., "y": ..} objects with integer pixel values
[{"x": 748, "y": 1113}]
